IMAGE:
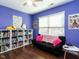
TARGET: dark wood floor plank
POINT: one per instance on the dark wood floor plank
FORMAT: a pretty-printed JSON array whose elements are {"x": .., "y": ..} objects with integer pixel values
[{"x": 28, "y": 52}]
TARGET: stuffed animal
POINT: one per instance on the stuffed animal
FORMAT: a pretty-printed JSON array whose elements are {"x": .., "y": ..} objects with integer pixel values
[{"x": 11, "y": 28}]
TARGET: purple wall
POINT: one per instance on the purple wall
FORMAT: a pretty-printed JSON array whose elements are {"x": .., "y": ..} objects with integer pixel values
[
  {"x": 72, "y": 36},
  {"x": 6, "y": 17}
]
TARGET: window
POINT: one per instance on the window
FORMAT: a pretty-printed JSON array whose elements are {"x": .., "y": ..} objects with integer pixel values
[{"x": 52, "y": 24}]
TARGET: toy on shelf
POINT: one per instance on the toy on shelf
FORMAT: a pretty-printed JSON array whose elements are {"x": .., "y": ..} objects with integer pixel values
[{"x": 11, "y": 28}]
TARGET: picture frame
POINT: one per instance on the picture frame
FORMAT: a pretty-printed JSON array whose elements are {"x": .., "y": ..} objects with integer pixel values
[
  {"x": 35, "y": 24},
  {"x": 73, "y": 21},
  {"x": 17, "y": 19}
]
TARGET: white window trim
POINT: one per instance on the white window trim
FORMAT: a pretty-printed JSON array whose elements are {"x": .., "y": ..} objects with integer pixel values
[{"x": 55, "y": 27}]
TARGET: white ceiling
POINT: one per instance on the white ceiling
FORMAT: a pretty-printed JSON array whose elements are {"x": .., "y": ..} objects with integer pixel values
[{"x": 30, "y": 8}]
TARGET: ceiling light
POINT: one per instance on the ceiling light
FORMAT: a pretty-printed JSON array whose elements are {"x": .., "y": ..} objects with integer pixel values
[
  {"x": 37, "y": 0},
  {"x": 51, "y": 4},
  {"x": 25, "y": 3},
  {"x": 29, "y": 2}
]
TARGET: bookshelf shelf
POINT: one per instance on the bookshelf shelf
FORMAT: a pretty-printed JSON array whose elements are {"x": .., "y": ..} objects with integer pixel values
[{"x": 13, "y": 39}]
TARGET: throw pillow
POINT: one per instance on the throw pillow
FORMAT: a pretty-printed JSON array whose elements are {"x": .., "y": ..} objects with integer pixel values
[{"x": 56, "y": 41}]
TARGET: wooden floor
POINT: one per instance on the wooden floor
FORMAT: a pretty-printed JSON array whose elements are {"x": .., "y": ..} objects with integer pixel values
[{"x": 29, "y": 52}]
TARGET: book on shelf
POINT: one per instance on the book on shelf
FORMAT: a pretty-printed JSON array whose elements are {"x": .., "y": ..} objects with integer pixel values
[
  {"x": 14, "y": 34},
  {"x": 26, "y": 32},
  {"x": 20, "y": 38},
  {"x": 5, "y": 34},
  {"x": 0, "y": 48},
  {"x": 20, "y": 43},
  {"x": 14, "y": 45},
  {"x": 14, "y": 40}
]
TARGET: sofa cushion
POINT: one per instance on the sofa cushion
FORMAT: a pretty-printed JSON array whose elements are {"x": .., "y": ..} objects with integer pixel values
[
  {"x": 49, "y": 38},
  {"x": 56, "y": 41}
]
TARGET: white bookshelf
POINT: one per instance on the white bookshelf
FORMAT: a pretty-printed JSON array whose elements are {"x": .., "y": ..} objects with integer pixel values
[{"x": 13, "y": 39}]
